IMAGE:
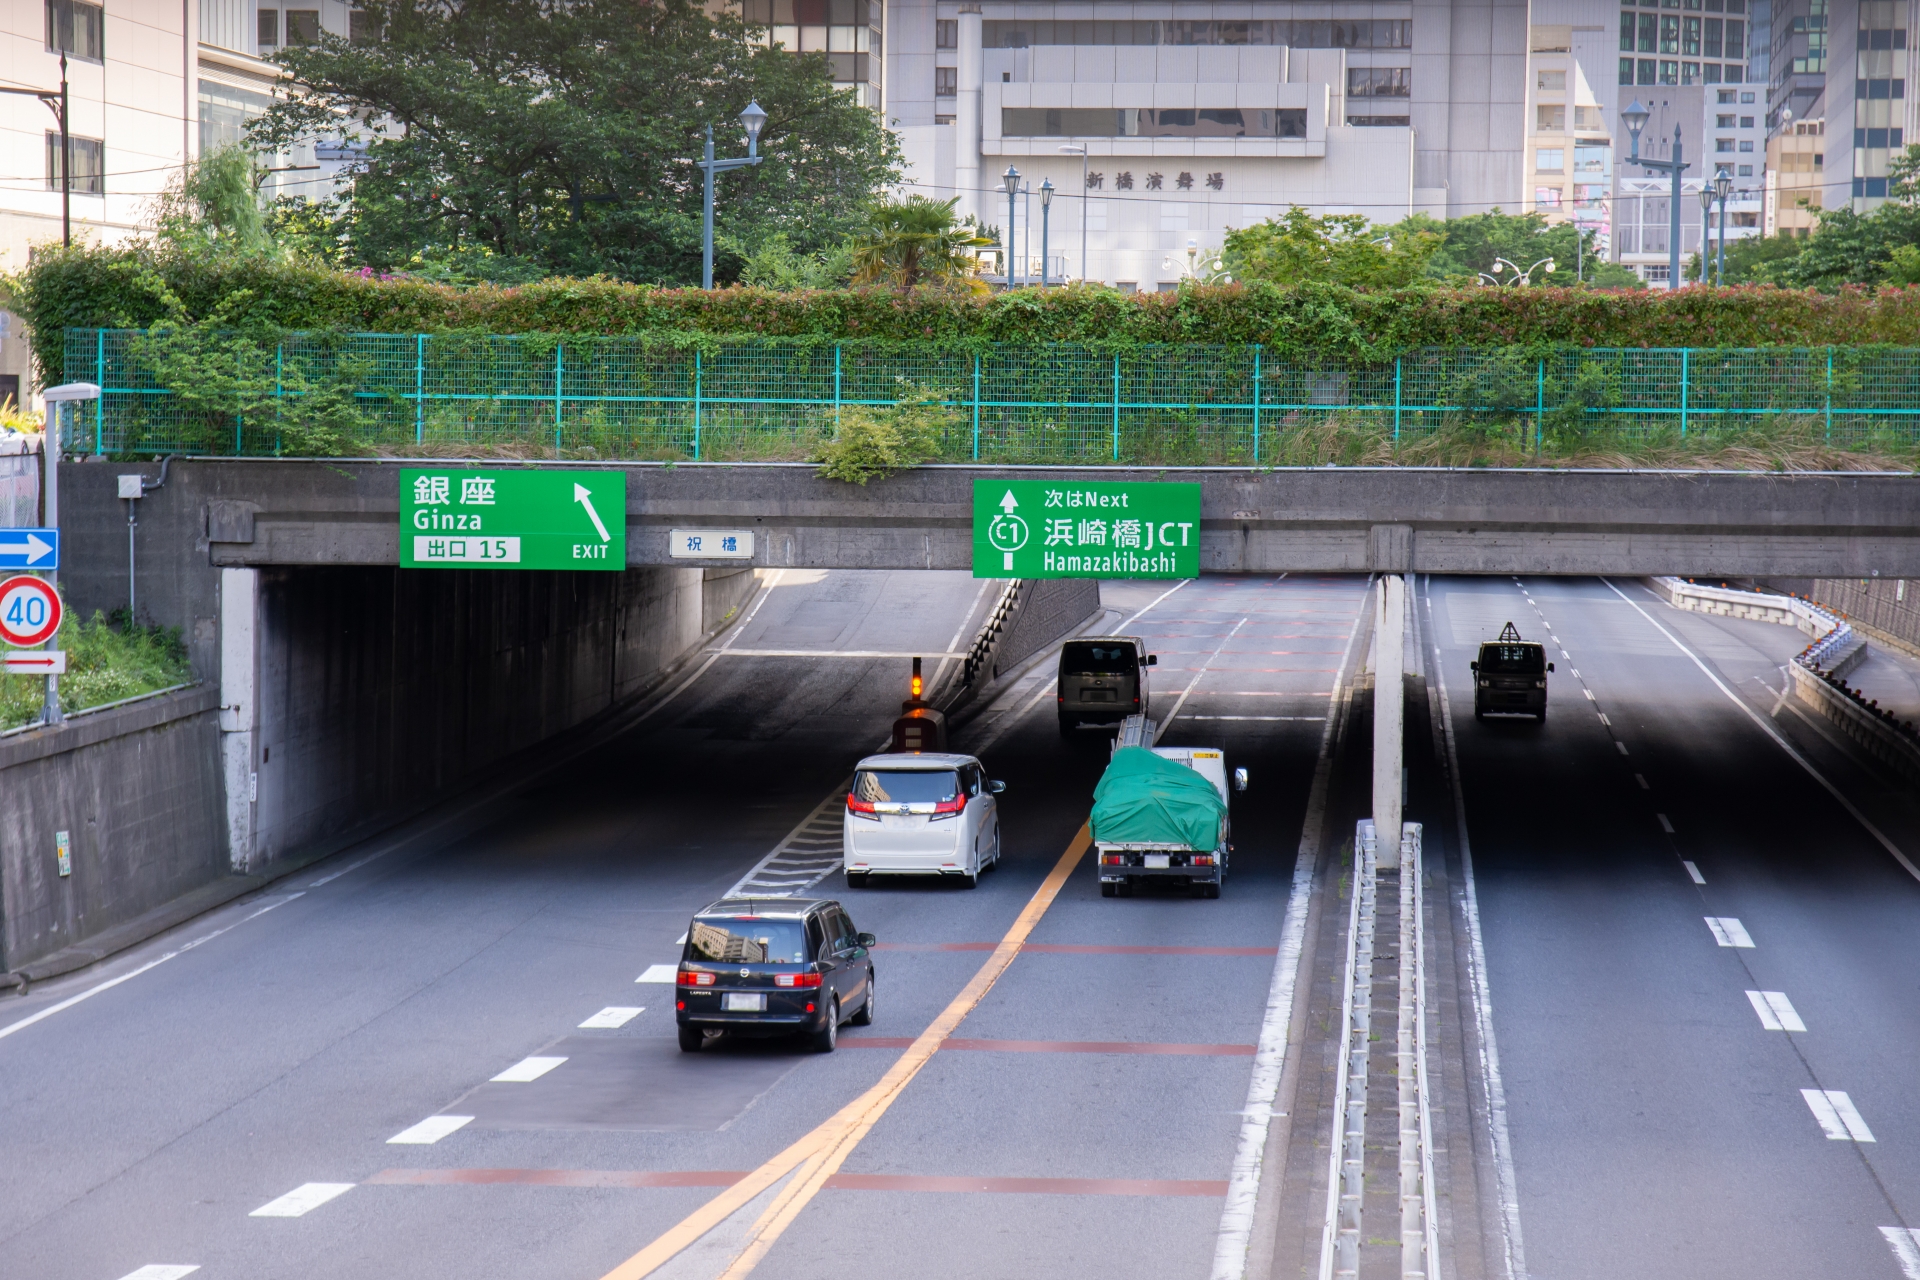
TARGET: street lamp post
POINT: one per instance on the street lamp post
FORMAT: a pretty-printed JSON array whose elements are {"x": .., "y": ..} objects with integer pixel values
[
  {"x": 1046, "y": 204},
  {"x": 1081, "y": 151},
  {"x": 1722, "y": 187},
  {"x": 1503, "y": 265},
  {"x": 1012, "y": 180},
  {"x": 56, "y": 102},
  {"x": 1636, "y": 117},
  {"x": 1706, "y": 231},
  {"x": 753, "y": 119}
]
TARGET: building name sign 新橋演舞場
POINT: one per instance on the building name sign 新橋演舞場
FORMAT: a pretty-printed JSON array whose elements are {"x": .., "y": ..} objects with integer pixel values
[
  {"x": 452, "y": 518},
  {"x": 1085, "y": 529}
]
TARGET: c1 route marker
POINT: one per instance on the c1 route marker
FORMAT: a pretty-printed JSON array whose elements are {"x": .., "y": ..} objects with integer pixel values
[
  {"x": 29, "y": 611},
  {"x": 1085, "y": 529},
  {"x": 30, "y": 549}
]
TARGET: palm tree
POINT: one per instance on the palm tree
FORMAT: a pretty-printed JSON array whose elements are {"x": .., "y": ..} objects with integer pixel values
[{"x": 915, "y": 241}]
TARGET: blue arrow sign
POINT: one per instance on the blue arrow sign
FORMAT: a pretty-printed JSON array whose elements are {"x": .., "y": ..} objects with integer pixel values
[{"x": 30, "y": 549}]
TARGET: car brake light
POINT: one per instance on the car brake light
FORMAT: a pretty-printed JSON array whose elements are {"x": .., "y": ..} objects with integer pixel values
[
  {"x": 796, "y": 979},
  {"x": 689, "y": 978},
  {"x": 858, "y": 806},
  {"x": 947, "y": 808}
]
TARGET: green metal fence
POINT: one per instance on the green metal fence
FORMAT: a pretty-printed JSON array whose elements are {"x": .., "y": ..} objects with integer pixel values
[{"x": 618, "y": 397}]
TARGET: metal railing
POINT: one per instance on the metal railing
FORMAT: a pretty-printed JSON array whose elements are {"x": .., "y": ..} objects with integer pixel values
[{"x": 1185, "y": 404}]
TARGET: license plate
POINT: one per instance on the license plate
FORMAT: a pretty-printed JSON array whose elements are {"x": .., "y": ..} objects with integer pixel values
[
  {"x": 744, "y": 1002},
  {"x": 1158, "y": 860}
]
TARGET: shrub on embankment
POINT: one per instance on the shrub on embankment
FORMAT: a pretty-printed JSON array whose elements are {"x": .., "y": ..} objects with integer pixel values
[{"x": 138, "y": 288}]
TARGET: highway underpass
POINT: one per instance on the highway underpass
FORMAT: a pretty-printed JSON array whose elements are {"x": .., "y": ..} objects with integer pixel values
[{"x": 1608, "y": 1099}]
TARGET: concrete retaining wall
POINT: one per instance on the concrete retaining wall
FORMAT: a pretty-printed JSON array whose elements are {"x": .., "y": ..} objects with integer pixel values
[
  {"x": 137, "y": 790},
  {"x": 1868, "y": 732}
]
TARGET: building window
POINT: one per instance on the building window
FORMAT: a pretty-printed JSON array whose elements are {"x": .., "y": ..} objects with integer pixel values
[
  {"x": 1723, "y": 144},
  {"x": 1646, "y": 70},
  {"x": 1552, "y": 81},
  {"x": 946, "y": 82},
  {"x": 1726, "y": 98},
  {"x": 89, "y": 164},
  {"x": 1712, "y": 49},
  {"x": 1546, "y": 197},
  {"x": 1723, "y": 122},
  {"x": 1550, "y": 160},
  {"x": 1669, "y": 35},
  {"x": 1550, "y": 119},
  {"x": 1870, "y": 188},
  {"x": 303, "y": 26},
  {"x": 76, "y": 28},
  {"x": 946, "y": 33},
  {"x": 268, "y": 22},
  {"x": 361, "y": 28},
  {"x": 1669, "y": 73},
  {"x": 1626, "y": 71},
  {"x": 1746, "y": 171},
  {"x": 1626, "y": 32},
  {"x": 1379, "y": 82},
  {"x": 1649, "y": 33},
  {"x": 1151, "y": 122},
  {"x": 1690, "y": 38},
  {"x": 1746, "y": 146}
]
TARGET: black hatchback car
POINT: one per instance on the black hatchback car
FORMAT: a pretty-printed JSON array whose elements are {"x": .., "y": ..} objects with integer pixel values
[
  {"x": 1510, "y": 677},
  {"x": 770, "y": 967}
]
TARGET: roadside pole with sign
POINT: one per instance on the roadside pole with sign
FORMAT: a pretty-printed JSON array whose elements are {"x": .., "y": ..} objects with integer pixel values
[
  {"x": 57, "y": 400},
  {"x": 452, "y": 518},
  {"x": 1085, "y": 529}
]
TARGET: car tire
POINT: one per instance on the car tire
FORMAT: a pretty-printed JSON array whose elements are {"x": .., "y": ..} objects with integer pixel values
[
  {"x": 864, "y": 1018},
  {"x": 691, "y": 1038},
  {"x": 1543, "y": 715},
  {"x": 971, "y": 880},
  {"x": 857, "y": 879},
  {"x": 828, "y": 1036}
]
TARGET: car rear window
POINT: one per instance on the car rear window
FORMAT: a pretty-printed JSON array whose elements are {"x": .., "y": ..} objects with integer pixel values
[
  {"x": 1513, "y": 659},
  {"x": 1099, "y": 659},
  {"x": 906, "y": 786},
  {"x": 746, "y": 940}
]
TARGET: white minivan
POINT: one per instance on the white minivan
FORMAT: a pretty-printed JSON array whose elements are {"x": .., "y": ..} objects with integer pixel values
[{"x": 923, "y": 814}]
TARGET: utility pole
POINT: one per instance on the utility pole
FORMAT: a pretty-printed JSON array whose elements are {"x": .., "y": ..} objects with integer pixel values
[
  {"x": 56, "y": 102},
  {"x": 753, "y": 119}
]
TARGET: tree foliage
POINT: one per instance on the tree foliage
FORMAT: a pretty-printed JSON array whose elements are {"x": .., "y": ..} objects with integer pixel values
[
  {"x": 516, "y": 138},
  {"x": 1298, "y": 247},
  {"x": 214, "y": 205},
  {"x": 913, "y": 241}
]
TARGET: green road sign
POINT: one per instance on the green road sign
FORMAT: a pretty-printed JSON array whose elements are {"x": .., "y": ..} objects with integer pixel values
[
  {"x": 1085, "y": 529},
  {"x": 451, "y": 518}
]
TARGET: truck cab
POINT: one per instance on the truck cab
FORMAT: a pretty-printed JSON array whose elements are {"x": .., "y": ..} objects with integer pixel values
[
  {"x": 1510, "y": 677},
  {"x": 1103, "y": 680}
]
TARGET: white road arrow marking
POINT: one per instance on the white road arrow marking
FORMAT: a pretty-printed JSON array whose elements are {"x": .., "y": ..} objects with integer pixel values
[
  {"x": 1007, "y": 503},
  {"x": 584, "y": 496},
  {"x": 34, "y": 548}
]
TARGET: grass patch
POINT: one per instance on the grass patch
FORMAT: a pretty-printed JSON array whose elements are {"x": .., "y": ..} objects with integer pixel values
[{"x": 107, "y": 660}]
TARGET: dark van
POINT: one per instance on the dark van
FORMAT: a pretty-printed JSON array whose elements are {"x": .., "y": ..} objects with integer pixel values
[
  {"x": 1510, "y": 677},
  {"x": 1103, "y": 680}
]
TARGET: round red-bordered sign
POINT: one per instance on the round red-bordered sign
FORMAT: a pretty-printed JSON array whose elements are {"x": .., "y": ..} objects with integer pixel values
[{"x": 29, "y": 611}]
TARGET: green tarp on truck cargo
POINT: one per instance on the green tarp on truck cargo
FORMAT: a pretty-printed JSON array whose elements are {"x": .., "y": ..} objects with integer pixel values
[{"x": 1144, "y": 799}]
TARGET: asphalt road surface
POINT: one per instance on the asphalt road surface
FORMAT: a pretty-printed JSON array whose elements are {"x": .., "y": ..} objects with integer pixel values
[
  {"x": 1667, "y": 899},
  {"x": 225, "y": 1100}
]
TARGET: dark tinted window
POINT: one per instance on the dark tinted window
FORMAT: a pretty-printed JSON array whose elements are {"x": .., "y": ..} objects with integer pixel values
[
  {"x": 1513, "y": 659},
  {"x": 1098, "y": 659},
  {"x": 906, "y": 786},
  {"x": 746, "y": 940}
]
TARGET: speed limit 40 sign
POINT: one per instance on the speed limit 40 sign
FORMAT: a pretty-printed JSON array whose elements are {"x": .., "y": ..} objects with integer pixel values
[{"x": 29, "y": 611}]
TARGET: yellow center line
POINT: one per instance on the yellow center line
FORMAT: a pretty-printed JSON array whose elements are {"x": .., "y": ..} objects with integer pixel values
[{"x": 826, "y": 1148}]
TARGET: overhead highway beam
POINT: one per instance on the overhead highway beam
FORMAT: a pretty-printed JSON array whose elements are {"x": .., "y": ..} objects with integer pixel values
[{"x": 253, "y": 512}]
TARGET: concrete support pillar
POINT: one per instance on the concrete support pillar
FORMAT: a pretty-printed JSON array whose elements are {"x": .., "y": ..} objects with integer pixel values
[
  {"x": 966, "y": 116},
  {"x": 239, "y": 678},
  {"x": 1389, "y": 713}
]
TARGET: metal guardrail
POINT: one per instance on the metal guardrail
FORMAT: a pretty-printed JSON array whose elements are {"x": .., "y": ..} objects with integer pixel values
[{"x": 1172, "y": 404}]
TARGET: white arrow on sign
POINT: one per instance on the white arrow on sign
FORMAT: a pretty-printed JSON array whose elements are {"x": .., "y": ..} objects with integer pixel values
[
  {"x": 584, "y": 496},
  {"x": 1007, "y": 503},
  {"x": 35, "y": 548},
  {"x": 36, "y": 662}
]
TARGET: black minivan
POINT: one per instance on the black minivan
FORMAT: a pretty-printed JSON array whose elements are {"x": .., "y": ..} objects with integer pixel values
[
  {"x": 1510, "y": 677},
  {"x": 1103, "y": 679},
  {"x": 770, "y": 967}
]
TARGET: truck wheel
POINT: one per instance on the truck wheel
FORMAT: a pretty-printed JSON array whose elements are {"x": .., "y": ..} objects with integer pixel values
[
  {"x": 1106, "y": 888},
  {"x": 1211, "y": 890},
  {"x": 1124, "y": 889}
]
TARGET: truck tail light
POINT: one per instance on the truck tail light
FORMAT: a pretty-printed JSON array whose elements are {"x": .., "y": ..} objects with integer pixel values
[
  {"x": 690, "y": 978},
  {"x": 796, "y": 979},
  {"x": 1111, "y": 860},
  {"x": 1201, "y": 860}
]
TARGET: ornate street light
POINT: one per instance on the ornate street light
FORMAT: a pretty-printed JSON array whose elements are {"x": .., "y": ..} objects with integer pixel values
[{"x": 753, "y": 119}]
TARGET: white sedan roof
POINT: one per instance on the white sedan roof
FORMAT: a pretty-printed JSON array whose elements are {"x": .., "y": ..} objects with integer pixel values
[{"x": 917, "y": 760}]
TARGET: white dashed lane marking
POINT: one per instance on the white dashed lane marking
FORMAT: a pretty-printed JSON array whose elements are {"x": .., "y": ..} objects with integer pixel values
[
  {"x": 1728, "y": 931},
  {"x": 1693, "y": 873},
  {"x": 1838, "y": 1118},
  {"x": 175, "y": 1270},
  {"x": 613, "y": 1016},
  {"x": 659, "y": 973},
  {"x": 429, "y": 1131},
  {"x": 526, "y": 1070},
  {"x": 1776, "y": 1011},
  {"x": 1905, "y": 1243},
  {"x": 303, "y": 1199},
  {"x": 1665, "y": 825}
]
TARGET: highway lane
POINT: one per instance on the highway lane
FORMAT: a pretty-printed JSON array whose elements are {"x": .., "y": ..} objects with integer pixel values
[
  {"x": 147, "y": 1124},
  {"x": 1659, "y": 1128}
]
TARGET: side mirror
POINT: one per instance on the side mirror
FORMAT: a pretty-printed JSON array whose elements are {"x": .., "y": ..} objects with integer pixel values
[
  {"x": 1153, "y": 659},
  {"x": 865, "y": 939},
  {"x": 1239, "y": 779},
  {"x": 996, "y": 787},
  {"x": 1549, "y": 666},
  {"x": 1473, "y": 666}
]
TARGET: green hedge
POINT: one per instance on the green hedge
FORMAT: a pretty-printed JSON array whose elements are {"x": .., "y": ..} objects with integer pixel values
[{"x": 138, "y": 289}]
